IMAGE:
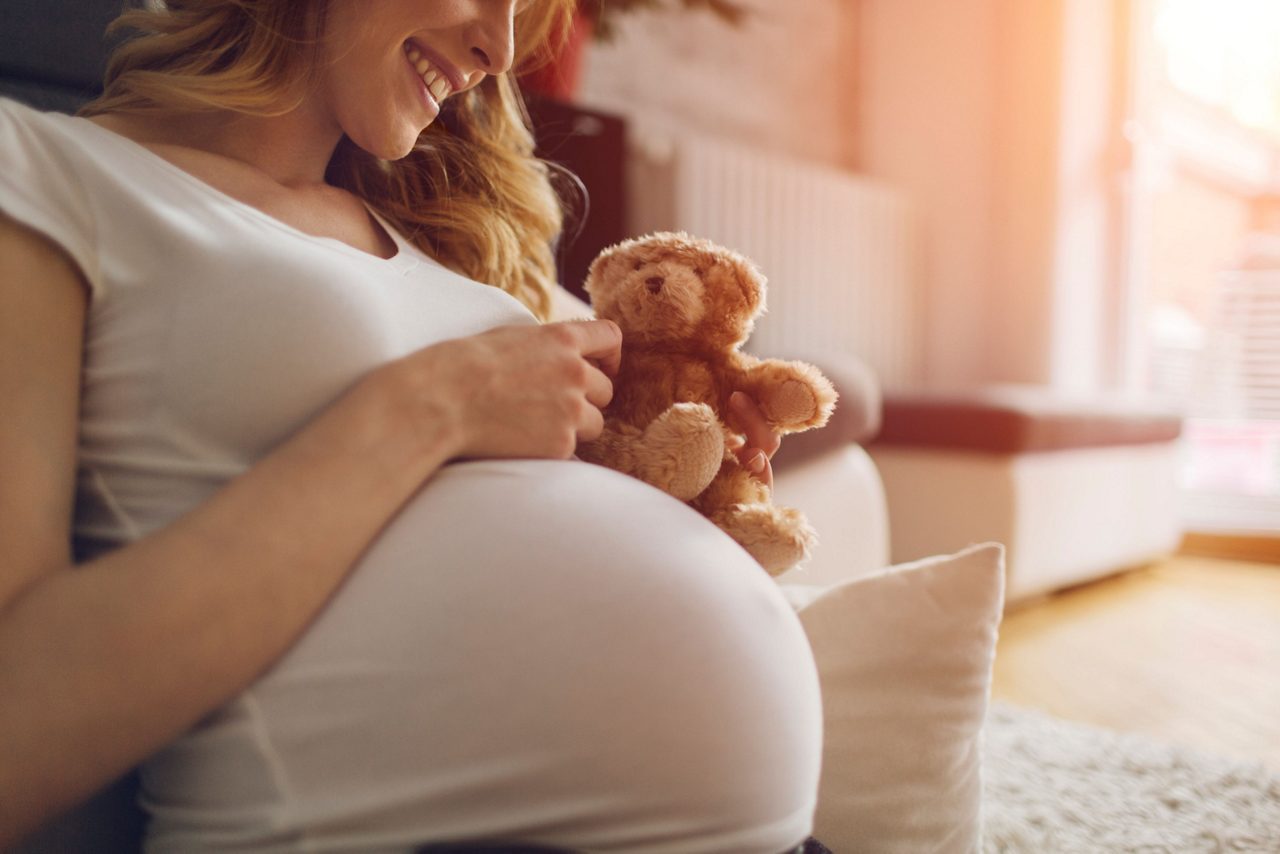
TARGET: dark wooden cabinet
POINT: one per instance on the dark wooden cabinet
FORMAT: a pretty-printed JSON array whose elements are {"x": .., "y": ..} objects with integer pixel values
[{"x": 591, "y": 145}]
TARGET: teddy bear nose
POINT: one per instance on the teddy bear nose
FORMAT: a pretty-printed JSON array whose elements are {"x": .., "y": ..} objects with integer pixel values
[{"x": 654, "y": 283}]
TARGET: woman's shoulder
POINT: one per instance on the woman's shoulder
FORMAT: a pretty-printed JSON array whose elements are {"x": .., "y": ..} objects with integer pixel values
[
  {"x": 11, "y": 109},
  {"x": 22, "y": 125},
  {"x": 47, "y": 181},
  {"x": 161, "y": 153},
  {"x": 35, "y": 145},
  {"x": 70, "y": 145}
]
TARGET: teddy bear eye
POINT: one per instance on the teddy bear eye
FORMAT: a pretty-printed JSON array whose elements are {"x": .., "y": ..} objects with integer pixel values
[
  {"x": 638, "y": 265},
  {"x": 699, "y": 272}
]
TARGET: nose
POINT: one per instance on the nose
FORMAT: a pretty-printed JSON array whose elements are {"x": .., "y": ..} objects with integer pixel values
[
  {"x": 492, "y": 37},
  {"x": 654, "y": 283}
]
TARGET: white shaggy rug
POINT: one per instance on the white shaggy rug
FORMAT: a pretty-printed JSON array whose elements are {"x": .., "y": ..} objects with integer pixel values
[{"x": 1054, "y": 786}]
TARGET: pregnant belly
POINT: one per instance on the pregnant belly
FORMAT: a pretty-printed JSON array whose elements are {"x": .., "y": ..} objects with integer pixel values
[
  {"x": 517, "y": 621},
  {"x": 485, "y": 540}
]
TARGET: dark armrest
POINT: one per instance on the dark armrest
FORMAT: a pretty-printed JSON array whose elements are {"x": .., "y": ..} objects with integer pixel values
[{"x": 857, "y": 415}]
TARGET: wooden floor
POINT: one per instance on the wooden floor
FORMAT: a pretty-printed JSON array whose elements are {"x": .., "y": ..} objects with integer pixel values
[{"x": 1187, "y": 650}]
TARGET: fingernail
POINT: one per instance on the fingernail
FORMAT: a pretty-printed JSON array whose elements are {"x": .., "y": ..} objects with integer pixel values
[{"x": 756, "y": 462}]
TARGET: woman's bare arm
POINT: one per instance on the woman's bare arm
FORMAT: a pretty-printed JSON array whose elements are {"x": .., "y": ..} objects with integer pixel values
[{"x": 103, "y": 663}]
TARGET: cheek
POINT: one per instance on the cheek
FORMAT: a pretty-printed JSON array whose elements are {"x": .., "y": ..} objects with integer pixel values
[{"x": 372, "y": 100}]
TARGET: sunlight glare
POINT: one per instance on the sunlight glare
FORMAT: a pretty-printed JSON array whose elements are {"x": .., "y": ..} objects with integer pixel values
[{"x": 1225, "y": 53}]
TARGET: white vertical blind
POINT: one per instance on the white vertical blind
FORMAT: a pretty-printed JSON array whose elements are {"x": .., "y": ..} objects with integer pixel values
[
  {"x": 1205, "y": 127},
  {"x": 1233, "y": 438}
]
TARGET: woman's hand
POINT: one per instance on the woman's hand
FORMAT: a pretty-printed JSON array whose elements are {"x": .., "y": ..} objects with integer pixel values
[
  {"x": 515, "y": 391},
  {"x": 761, "y": 443}
]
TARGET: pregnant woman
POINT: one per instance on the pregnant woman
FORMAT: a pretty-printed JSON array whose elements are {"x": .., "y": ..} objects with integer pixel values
[{"x": 288, "y": 509}]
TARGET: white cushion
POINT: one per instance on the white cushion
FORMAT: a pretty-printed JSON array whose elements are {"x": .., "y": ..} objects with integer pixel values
[{"x": 904, "y": 658}]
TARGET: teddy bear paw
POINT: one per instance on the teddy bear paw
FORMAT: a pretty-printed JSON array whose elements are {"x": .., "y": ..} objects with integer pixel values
[
  {"x": 793, "y": 402},
  {"x": 685, "y": 447}
]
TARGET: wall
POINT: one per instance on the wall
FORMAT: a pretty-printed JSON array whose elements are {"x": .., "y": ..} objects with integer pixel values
[
  {"x": 1088, "y": 302},
  {"x": 1025, "y": 189},
  {"x": 1012, "y": 163},
  {"x": 783, "y": 81},
  {"x": 962, "y": 104},
  {"x": 927, "y": 127}
]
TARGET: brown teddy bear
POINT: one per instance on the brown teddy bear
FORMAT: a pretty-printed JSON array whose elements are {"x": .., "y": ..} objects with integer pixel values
[{"x": 685, "y": 306}]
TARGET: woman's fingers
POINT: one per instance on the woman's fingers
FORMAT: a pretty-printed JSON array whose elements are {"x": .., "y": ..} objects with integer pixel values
[
  {"x": 599, "y": 388},
  {"x": 759, "y": 434},
  {"x": 543, "y": 386},
  {"x": 599, "y": 344},
  {"x": 761, "y": 442},
  {"x": 599, "y": 341},
  {"x": 757, "y": 462},
  {"x": 591, "y": 424}
]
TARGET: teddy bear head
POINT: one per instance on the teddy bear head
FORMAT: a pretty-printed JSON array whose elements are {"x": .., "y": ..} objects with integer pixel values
[{"x": 670, "y": 287}]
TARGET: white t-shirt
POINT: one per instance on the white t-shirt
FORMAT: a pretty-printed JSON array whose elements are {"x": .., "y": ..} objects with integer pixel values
[
  {"x": 214, "y": 329},
  {"x": 531, "y": 650}
]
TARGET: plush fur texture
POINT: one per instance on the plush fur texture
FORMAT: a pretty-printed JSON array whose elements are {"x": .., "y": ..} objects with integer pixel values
[{"x": 685, "y": 306}]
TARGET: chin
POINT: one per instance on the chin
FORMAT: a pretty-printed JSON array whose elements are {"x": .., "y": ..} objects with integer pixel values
[
  {"x": 390, "y": 144},
  {"x": 398, "y": 152}
]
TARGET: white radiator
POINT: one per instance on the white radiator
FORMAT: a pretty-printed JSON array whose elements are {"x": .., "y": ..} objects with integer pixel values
[{"x": 836, "y": 248}]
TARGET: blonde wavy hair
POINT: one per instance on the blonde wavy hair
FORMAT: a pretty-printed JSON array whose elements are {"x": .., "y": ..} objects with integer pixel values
[{"x": 471, "y": 193}]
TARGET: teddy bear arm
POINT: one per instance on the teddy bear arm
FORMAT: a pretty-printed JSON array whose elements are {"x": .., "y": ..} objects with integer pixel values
[{"x": 793, "y": 396}]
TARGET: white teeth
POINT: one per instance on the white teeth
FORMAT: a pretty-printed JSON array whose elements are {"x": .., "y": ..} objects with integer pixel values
[{"x": 437, "y": 83}]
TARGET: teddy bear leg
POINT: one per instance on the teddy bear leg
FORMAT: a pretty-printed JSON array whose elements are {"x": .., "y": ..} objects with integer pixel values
[
  {"x": 777, "y": 537},
  {"x": 681, "y": 450}
]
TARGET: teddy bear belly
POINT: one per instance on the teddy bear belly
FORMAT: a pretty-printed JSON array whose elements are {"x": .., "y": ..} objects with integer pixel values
[{"x": 644, "y": 395}]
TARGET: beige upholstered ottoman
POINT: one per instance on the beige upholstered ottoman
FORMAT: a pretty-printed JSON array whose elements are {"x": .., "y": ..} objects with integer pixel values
[{"x": 1074, "y": 489}]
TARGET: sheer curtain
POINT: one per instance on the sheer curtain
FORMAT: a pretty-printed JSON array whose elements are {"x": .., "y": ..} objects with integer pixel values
[{"x": 1203, "y": 240}]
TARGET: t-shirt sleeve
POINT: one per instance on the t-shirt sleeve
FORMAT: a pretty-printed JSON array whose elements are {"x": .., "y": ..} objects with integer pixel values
[{"x": 40, "y": 187}]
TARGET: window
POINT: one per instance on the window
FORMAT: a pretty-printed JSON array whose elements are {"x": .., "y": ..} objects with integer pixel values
[{"x": 1204, "y": 245}]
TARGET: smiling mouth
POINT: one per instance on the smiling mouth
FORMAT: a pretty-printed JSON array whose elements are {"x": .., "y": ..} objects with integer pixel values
[{"x": 436, "y": 81}]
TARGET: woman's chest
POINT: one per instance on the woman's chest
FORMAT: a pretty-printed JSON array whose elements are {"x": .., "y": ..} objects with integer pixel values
[
  {"x": 315, "y": 209},
  {"x": 332, "y": 214},
  {"x": 235, "y": 331}
]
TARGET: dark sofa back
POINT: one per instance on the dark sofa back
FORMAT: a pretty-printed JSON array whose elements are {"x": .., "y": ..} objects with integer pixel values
[
  {"x": 52, "y": 52},
  {"x": 52, "y": 55}
]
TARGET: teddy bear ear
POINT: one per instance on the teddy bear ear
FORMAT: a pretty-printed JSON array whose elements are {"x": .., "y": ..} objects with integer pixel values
[
  {"x": 752, "y": 285},
  {"x": 599, "y": 268}
]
